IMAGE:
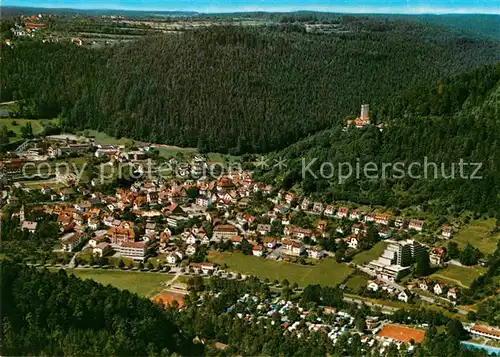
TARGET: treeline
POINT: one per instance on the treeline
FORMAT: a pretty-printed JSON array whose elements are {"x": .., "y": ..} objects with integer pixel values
[
  {"x": 54, "y": 314},
  {"x": 460, "y": 123},
  {"x": 233, "y": 89}
]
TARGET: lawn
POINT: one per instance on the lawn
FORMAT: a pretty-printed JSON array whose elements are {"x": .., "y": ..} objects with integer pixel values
[
  {"x": 463, "y": 276},
  {"x": 367, "y": 256},
  {"x": 36, "y": 124},
  {"x": 326, "y": 272},
  {"x": 38, "y": 184},
  {"x": 478, "y": 234},
  {"x": 169, "y": 151},
  {"x": 356, "y": 282},
  {"x": 103, "y": 138},
  {"x": 143, "y": 283}
]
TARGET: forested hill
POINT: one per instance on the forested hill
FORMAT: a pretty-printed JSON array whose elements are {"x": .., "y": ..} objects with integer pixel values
[
  {"x": 455, "y": 119},
  {"x": 234, "y": 89},
  {"x": 48, "y": 314}
]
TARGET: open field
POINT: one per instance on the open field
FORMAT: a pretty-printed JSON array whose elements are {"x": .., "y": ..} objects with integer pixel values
[
  {"x": 326, "y": 272},
  {"x": 369, "y": 255},
  {"x": 356, "y": 282},
  {"x": 164, "y": 150},
  {"x": 478, "y": 234},
  {"x": 142, "y": 283},
  {"x": 39, "y": 183},
  {"x": 36, "y": 124},
  {"x": 103, "y": 138},
  {"x": 463, "y": 276},
  {"x": 169, "y": 151}
]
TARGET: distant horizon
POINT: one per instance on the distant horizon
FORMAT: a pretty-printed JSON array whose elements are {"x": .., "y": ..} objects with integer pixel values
[{"x": 403, "y": 7}]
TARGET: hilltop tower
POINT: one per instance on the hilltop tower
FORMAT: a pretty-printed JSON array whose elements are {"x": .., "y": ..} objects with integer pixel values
[
  {"x": 365, "y": 108},
  {"x": 21, "y": 214}
]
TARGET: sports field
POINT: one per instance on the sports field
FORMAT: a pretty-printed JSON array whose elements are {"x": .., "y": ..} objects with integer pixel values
[
  {"x": 402, "y": 333},
  {"x": 326, "y": 272},
  {"x": 142, "y": 283}
]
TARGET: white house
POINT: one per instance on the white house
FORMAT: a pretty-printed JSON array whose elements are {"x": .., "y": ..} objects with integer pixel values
[
  {"x": 329, "y": 210},
  {"x": 315, "y": 253},
  {"x": 191, "y": 249},
  {"x": 305, "y": 204},
  {"x": 297, "y": 248},
  {"x": 93, "y": 223},
  {"x": 29, "y": 226},
  {"x": 190, "y": 239},
  {"x": 355, "y": 214},
  {"x": 289, "y": 197},
  {"x": 101, "y": 249},
  {"x": 258, "y": 251},
  {"x": 270, "y": 242},
  {"x": 416, "y": 225},
  {"x": 236, "y": 240},
  {"x": 318, "y": 207},
  {"x": 263, "y": 229},
  {"x": 373, "y": 285},
  {"x": 205, "y": 240},
  {"x": 69, "y": 243},
  {"x": 446, "y": 232},
  {"x": 342, "y": 212},
  {"x": 403, "y": 296},
  {"x": 150, "y": 228},
  {"x": 174, "y": 258},
  {"x": 352, "y": 242},
  {"x": 452, "y": 294},
  {"x": 438, "y": 288},
  {"x": 423, "y": 285}
]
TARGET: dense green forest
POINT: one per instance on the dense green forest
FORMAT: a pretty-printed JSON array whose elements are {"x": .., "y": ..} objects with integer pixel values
[
  {"x": 232, "y": 89},
  {"x": 455, "y": 119},
  {"x": 52, "y": 314},
  {"x": 55, "y": 314}
]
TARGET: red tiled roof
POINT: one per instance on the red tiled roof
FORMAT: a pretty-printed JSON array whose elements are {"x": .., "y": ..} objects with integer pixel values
[
  {"x": 486, "y": 329},
  {"x": 133, "y": 244},
  {"x": 225, "y": 228}
]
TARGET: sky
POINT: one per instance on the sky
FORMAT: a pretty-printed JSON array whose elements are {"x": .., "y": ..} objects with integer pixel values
[{"x": 211, "y": 6}]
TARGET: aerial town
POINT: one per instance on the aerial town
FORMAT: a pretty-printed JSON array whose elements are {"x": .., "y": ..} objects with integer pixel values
[
  {"x": 181, "y": 223},
  {"x": 249, "y": 183}
]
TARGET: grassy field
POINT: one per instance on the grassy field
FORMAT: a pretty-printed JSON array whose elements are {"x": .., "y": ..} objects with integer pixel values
[
  {"x": 356, "y": 282},
  {"x": 103, "y": 138},
  {"x": 165, "y": 151},
  {"x": 326, "y": 272},
  {"x": 142, "y": 283},
  {"x": 173, "y": 150},
  {"x": 463, "y": 276},
  {"x": 369, "y": 255},
  {"x": 478, "y": 234},
  {"x": 38, "y": 184},
  {"x": 36, "y": 124}
]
